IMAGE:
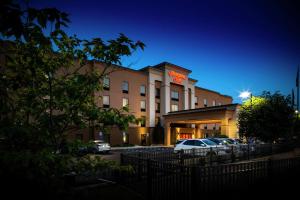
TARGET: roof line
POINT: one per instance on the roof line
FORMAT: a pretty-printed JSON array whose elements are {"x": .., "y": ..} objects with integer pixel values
[
  {"x": 211, "y": 108},
  {"x": 213, "y": 91}
]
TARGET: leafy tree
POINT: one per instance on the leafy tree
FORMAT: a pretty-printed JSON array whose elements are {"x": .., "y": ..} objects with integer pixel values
[
  {"x": 266, "y": 117},
  {"x": 47, "y": 84}
]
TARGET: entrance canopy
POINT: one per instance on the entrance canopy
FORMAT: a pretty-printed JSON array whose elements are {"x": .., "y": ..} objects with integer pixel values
[{"x": 226, "y": 115}]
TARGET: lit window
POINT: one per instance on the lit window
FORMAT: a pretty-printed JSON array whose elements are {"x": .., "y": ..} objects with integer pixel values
[
  {"x": 219, "y": 103},
  {"x": 106, "y": 101},
  {"x": 125, "y": 102},
  {"x": 205, "y": 102},
  {"x": 157, "y": 93},
  {"x": 196, "y": 100},
  {"x": 125, "y": 87},
  {"x": 174, "y": 95},
  {"x": 157, "y": 107},
  {"x": 143, "y": 106},
  {"x": 106, "y": 83},
  {"x": 214, "y": 103},
  {"x": 174, "y": 107},
  {"x": 143, "y": 90}
]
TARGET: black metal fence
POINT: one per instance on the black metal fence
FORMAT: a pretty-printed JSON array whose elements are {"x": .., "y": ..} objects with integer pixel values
[{"x": 163, "y": 174}]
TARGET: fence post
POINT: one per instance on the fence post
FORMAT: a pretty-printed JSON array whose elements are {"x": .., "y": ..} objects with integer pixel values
[
  {"x": 149, "y": 179},
  {"x": 194, "y": 182},
  {"x": 181, "y": 157},
  {"x": 139, "y": 166},
  {"x": 232, "y": 154},
  {"x": 122, "y": 159},
  {"x": 248, "y": 152},
  {"x": 270, "y": 169},
  {"x": 210, "y": 156}
]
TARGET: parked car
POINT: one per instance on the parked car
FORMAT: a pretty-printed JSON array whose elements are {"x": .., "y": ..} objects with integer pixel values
[
  {"x": 206, "y": 146},
  {"x": 97, "y": 146},
  {"x": 100, "y": 147}
]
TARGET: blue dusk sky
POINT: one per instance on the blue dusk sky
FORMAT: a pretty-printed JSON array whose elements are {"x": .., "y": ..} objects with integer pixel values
[{"x": 230, "y": 46}]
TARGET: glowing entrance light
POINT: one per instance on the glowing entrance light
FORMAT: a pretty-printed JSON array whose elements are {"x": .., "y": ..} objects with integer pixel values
[{"x": 245, "y": 94}]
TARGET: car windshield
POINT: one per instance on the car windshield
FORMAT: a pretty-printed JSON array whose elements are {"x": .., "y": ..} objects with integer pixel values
[
  {"x": 179, "y": 141},
  {"x": 209, "y": 142},
  {"x": 215, "y": 140}
]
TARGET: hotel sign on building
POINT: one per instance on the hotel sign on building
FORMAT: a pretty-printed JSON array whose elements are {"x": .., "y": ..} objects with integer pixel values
[{"x": 170, "y": 103}]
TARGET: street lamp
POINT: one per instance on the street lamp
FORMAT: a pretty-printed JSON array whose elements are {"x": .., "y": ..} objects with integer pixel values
[{"x": 245, "y": 94}]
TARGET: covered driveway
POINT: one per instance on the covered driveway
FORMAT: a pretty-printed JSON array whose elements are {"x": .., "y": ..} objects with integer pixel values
[{"x": 225, "y": 115}]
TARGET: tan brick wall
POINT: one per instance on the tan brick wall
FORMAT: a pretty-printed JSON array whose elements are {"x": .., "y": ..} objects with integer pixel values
[{"x": 210, "y": 96}]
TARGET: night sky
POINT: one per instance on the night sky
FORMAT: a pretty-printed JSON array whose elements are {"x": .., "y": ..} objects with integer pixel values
[{"x": 230, "y": 46}]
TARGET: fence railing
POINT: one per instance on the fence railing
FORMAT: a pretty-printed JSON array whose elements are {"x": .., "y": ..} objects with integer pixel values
[{"x": 163, "y": 174}]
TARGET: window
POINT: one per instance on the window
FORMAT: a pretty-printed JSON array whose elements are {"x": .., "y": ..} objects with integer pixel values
[
  {"x": 214, "y": 103},
  {"x": 143, "y": 90},
  {"x": 189, "y": 142},
  {"x": 215, "y": 127},
  {"x": 143, "y": 121},
  {"x": 196, "y": 101},
  {"x": 219, "y": 103},
  {"x": 175, "y": 95},
  {"x": 79, "y": 136},
  {"x": 199, "y": 143},
  {"x": 157, "y": 93},
  {"x": 174, "y": 107},
  {"x": 205, "y": 126},
  {"x": 125, "y": 87},
  {"x": 157, "y": 107},
  {"x": 157, "y": 120},
  {"x": 105, "y": 101},
  {"x": 205, "y": 102},
  {"x": 143, "y": 106},
  {"x": 106, "y": 83},
  {"x": 125, "y": 102}
]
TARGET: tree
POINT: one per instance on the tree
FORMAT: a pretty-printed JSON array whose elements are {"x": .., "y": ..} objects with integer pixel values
[
  {"x": 266, "y": 117},
  {"x": 47, "y": 83}
]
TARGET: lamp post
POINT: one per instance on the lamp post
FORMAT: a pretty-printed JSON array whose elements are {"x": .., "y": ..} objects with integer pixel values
[{"x": 244, "y": 95}]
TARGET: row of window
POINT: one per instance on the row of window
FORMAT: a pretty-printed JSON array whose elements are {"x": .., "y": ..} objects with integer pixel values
[
  {"x": 205, "y": 102},
  {"x": 125, "y": 86},
  {"x": 125, "y": 103}
]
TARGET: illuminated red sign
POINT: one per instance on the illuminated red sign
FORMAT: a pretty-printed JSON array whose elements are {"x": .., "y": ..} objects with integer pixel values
[{"x": 177, "y": 77}]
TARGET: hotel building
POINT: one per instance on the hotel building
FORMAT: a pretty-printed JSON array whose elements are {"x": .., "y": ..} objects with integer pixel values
[{"x": 169, "y": 102}]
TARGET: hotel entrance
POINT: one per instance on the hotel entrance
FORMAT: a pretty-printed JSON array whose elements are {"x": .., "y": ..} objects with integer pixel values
[{"x": 188, "y": 123}]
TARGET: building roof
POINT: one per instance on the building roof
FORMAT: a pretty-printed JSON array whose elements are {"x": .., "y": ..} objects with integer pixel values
[
  {"x": 205, "y": 109},
  {"x": 163, "y": 64},
  {"x": 213, "y": 91}
]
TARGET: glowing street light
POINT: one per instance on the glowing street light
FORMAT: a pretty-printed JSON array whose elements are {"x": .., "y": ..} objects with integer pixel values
[{"x": 245, "y": 94}]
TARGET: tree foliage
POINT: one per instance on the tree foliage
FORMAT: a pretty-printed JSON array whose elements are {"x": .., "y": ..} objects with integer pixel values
[
  {"x": 266, "y": 117},
  {"x": 47, "y": 84}
]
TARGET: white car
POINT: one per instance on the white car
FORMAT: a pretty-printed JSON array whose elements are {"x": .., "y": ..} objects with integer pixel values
[
  {"x": 199, "y": 146},
  {"x": 101, "y": 146}
]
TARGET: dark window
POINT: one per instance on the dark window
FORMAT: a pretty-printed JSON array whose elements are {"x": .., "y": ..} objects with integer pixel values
[
  {"x": 189, "y": 142},
  {"x": 157, "y": 93},
  {"x": 205, "y": 127},
  {"x": 106, "y": 83},
  {"x": 174, "y": 95},
  {"x": 143, "y": 90},
  {"x": 143, "y": 121},
  {"x": 125, "y": 87},
  {"x": 157, "y": 120},
  {"x": 157, "y": 107},
  {"x": 199, "y": 143}
]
